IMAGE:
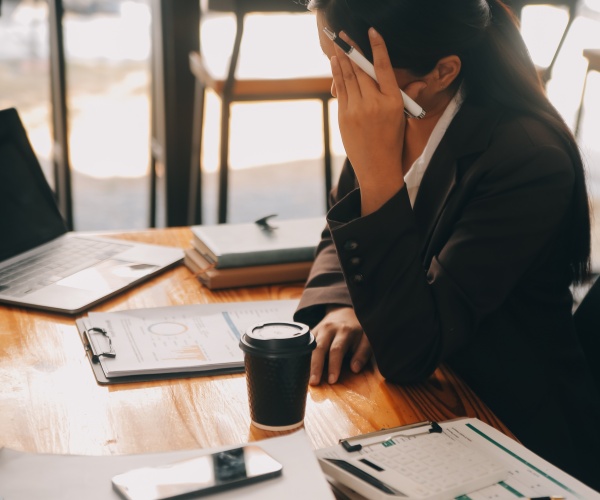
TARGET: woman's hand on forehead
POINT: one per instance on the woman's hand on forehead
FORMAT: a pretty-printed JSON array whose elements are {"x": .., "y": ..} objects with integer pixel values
[{"x": 372, "y": 122}]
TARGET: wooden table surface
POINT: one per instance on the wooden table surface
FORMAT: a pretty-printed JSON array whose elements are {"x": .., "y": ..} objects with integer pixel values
[{"x": 50, "y": 401}]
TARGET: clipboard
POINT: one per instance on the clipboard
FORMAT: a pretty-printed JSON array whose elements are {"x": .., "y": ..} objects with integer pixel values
[
  {"x": 94, "y": 354},
  {"x": 529, "y": 475},
  {"x": 171, "y": 342}
]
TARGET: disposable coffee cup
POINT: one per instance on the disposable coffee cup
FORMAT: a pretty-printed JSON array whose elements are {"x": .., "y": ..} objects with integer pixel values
[{"x": 277, "y": 361}]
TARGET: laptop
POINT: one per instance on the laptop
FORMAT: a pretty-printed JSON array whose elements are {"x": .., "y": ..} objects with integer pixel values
[{"x": 42, "y": 264}]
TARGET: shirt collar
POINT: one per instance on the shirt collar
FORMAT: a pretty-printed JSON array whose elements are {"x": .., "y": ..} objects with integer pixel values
[{"x": 415, "y": 174}]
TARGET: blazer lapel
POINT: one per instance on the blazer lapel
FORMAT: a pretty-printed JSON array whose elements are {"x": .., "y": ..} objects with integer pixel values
[{"x": 468, "y": 134}]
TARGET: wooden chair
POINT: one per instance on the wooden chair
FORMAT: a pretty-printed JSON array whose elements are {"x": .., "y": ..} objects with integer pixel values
[
  {"x": 593, "y": 60},
  {"x": 231, "y": 89},
  {"x": 572, "y": 5}
]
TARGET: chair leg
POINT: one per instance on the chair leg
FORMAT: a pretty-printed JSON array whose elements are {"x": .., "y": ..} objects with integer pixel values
[
  {"x": 580, "y": 110},
  {"x": 327, "y": 150},
  {"x": 195, "y": 196},
  {"x": 224, "y": 160},
  {"x": 152, "y": 173},
  {"x": 548, "y": 72},
  {"x": 226, "y": 100}
]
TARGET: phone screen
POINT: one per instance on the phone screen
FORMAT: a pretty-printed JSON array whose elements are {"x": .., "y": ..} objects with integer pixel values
[{"x": 205, "y": 474}]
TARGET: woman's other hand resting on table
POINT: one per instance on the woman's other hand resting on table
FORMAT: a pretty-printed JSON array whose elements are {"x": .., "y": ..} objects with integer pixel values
[{"x": 339, "y": 333}]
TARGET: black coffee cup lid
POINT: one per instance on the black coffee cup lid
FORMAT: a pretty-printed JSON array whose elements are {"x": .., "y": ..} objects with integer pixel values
[{"x": 277, "y": 336}]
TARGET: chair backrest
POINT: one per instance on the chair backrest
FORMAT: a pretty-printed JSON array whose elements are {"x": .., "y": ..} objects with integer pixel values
[
  {"x": 248, "y": 6},
  {"x": 241, "y": 8},
  {"x": 517, "y": 5},
  {"x": 587, "y": 324}
]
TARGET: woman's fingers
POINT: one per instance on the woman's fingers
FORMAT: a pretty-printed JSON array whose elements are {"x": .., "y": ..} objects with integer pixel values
[
  {"x": 324, "y": 337},
  {"x": 333, "y": 342},
  {"x": 348, "y": 74},
  {"x": 362, "y": 354},
  {"x": 383, "y": 66},
  {"x": 338, "y": 81},
  {"x": 381, "y": 62},
  {"x": 337, "y": 334},
  {"x": 339, "y": 347},
  {"x": 365, "y": 81}
]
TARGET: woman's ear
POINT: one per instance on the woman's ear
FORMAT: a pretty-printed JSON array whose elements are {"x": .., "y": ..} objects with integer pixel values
[{"x": 446, "y": 70}]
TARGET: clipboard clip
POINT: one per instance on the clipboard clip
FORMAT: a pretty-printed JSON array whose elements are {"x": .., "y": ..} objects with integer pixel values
[
  {"x": 107, "y": 352},
  {"x": 385, "y": 435}
]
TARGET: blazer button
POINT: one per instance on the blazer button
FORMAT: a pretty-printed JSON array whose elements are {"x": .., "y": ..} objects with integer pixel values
[
  {"x": 350, "y": 245},
  {"x": 358, "y": 279},
  {"x": 355, "y": 261}
]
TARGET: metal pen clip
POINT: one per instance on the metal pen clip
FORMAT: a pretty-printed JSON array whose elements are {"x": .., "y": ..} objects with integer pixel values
[
  {"x": 385, "y": 435},
  {"x": 108, "y": 352},
  {"x": 264, "y": 223}
]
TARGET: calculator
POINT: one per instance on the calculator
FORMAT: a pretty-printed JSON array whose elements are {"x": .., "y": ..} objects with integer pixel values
[{"x": 428, "y": 467}]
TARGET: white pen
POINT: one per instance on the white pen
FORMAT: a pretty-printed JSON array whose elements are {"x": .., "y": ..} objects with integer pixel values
[{"x": 411, "y": 108}]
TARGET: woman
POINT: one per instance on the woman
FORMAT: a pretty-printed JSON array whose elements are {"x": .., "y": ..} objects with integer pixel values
[{"x": 455, "y": 238}]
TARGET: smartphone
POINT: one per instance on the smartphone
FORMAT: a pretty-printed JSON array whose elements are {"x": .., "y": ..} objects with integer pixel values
[{"x": 198, "y": 476}]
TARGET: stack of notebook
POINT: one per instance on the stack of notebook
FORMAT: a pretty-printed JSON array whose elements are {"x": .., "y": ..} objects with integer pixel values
[{"x": 264, "y": 252}]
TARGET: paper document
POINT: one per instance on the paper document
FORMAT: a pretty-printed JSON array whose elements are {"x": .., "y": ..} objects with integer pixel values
[
  {"x": 73, "y": 477},
  {"x": 178, "y": 338},
  {"x": 529, "y": 476}
]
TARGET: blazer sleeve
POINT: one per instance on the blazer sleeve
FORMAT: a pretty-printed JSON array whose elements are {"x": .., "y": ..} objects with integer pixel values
[
  {"x": 326, "y": 284},
  {"x": 414, "y": 313}
]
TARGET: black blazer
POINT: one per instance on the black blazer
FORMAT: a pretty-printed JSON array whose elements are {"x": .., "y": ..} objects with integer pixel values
[{"x": 475, "y": 275}]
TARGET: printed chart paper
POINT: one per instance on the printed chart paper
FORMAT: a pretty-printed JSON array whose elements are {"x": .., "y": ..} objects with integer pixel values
[{"x": 179, "y": 338}]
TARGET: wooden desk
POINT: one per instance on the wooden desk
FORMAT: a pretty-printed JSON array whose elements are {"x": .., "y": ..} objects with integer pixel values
[{"x": 50, "y": 402}]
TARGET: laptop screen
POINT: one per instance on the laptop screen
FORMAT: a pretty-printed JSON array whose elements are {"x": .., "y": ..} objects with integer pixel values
[{"x": 30, "y": 215}]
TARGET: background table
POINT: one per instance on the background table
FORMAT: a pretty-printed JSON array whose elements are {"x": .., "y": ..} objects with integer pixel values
[{"x": 50, "y": 401}]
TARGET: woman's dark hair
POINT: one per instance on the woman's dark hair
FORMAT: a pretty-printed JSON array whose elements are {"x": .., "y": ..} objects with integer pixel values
[{"x": 496, "y": 68}]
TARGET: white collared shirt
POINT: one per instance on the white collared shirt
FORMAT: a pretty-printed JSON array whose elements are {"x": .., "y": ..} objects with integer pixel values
[{"x": 415, "y": 175}]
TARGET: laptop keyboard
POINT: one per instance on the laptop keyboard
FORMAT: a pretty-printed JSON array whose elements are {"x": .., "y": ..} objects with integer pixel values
[{"x": 57, "y": 261}]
